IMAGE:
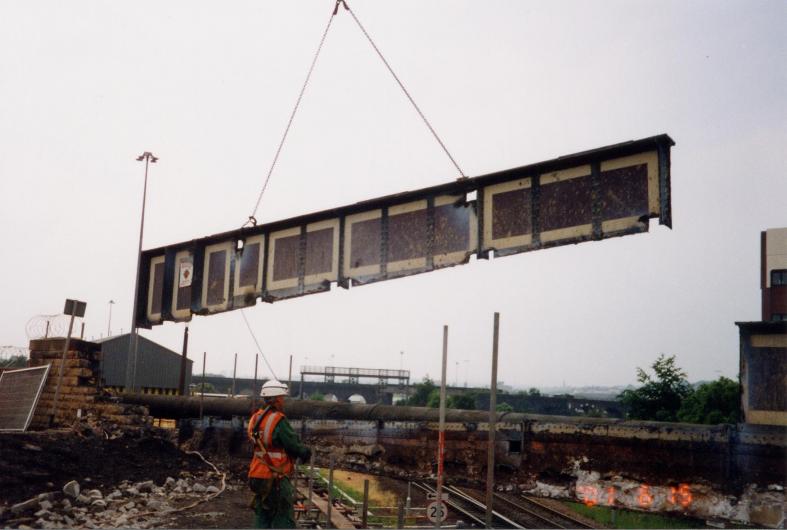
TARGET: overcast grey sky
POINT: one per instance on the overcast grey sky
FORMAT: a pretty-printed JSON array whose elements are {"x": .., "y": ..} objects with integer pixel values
[{"x": 85, "y": 87}]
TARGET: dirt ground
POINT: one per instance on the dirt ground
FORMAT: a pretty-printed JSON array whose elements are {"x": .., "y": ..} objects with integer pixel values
[
  {"x": 37, "y": 462},
  {"x": 228, "y": 510}
]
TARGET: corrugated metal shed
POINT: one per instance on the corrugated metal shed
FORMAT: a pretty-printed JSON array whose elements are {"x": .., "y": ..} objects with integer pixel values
[{"x": 159, "y": 367}]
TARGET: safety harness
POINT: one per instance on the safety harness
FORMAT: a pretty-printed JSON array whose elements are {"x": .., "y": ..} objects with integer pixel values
[{"x": 261, "y": 449}]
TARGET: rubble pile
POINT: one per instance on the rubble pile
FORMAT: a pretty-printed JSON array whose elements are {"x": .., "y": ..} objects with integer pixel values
[
  {"x": 129, "y": 504},
  {"x": 81, "y": 395},
  {"x": 47, "y": 466}
]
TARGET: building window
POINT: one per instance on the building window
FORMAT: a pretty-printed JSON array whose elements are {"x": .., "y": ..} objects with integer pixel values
[
  {"x": 778, "y": 277},
  {"x": 779, "y": 317}
]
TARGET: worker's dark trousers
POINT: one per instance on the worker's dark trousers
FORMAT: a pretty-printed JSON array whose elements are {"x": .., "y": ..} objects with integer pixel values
[{"x": 274, "y": 510}]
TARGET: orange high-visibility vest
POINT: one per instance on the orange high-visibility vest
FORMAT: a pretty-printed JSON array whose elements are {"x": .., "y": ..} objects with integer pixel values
[{"x": 268, "y": 461}]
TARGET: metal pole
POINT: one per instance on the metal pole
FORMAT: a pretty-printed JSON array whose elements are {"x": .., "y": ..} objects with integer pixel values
[
  {"x": 109, "y": 321},
  {"x": 131, "y": 368},
  {"x": 82, "y": 332},
  {"x": 234, "y": 370},
  {"x": 254, "y": 387},
  {"x": 330, "y": 494},
  {"x": 183, "y": 362},
  {"x": 301, "y": 392},
  {"x": 202, "y": 393},
  {"x": 490, "y": 455},
  {"x": 441, "y": 434},
  {"x": 289, "y": 377},
  {"x": 62, "y": 364},
  {"x": 409, "y": 501},
  {"x": 311, "y": 480},
  {"x": 46, "y": 333},
  {"x": 365, "y": 505}
]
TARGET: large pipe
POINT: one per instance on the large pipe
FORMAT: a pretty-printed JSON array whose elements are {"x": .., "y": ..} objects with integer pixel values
[{"x": 189, "y": 407}]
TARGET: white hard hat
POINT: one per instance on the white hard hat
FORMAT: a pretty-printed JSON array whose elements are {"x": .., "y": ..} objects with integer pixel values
[{"x": 273, "y": 388}]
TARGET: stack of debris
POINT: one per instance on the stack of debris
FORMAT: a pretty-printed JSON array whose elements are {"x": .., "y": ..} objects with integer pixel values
[
  {"x": 142, "y": 504},
  {"x": 81, "y": 394}
]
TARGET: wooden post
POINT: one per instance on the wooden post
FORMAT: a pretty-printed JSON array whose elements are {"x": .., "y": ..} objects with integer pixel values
[
  {"x": 328, "y": 523},
  {"x": 62, "y": 364},
  {"x": 183, "y": 362},
  {"x": 441, "y": 433},
  {"x": 365, "y": 506},
  {"x": 490, "y": 455},
  {"x": 202, "y": 393},
  {"x": 82, "y": 332},
  {"x": 400, "y": 515}
]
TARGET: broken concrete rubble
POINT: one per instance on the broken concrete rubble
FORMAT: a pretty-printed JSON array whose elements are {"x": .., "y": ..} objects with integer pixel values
[
  {"x": 140, "y": 509},
  {"x": 25, "y": 506},
  {"x": 71, "y": 489}
]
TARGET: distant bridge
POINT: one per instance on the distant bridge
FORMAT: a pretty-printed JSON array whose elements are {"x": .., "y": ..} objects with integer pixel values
[{"x": 385, "y": 394}]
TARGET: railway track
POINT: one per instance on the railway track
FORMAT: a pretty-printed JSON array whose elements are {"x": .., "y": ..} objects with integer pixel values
[
  {"x": 471, "y": 510},
  {"x": 543, "y": 515},
  {"x": 509, "y": 511}
]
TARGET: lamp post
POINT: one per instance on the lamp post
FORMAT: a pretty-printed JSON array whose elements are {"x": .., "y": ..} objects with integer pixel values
[
  {"x": 109, "y": 321},
  {"x": 131, "y": 368}
]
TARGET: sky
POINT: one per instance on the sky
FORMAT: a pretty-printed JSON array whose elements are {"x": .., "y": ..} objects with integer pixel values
[{"x": 87, "y": 86}]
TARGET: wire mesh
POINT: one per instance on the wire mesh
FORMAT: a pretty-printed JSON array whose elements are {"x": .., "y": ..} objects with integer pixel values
[{"x": 43, "y": 326}]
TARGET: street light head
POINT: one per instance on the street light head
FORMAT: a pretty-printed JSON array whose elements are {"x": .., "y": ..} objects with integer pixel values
[{"x": 147, "y": 155}]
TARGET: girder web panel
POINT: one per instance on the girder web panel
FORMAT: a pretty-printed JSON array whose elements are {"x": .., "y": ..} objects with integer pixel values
[
  {"x": 606, "y": 192},
  {"x": 19, "y": 393}
]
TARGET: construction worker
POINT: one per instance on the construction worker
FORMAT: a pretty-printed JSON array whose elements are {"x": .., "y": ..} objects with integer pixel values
[{"x": 276, "y": 446}]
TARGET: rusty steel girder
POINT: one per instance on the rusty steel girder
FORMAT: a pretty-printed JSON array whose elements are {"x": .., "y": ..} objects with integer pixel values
[{"x": 607, "y": 192}]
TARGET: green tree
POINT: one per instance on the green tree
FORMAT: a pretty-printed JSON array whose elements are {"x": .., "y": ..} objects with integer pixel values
[
  {"x": 433, "y": 400},
  {"x": 208, "y": 388},
  {"x": 504, "y": 407},
  {"x": 660, "y": 397},
  {"x": 533, "y": 392},
  {"x": 15, "y": 361},
  {"x": 423, "y": 391},
  {"x": 317, "y": 396},
  {"x": 712, "y": 403},
  {"x": 464, "y": 401}
]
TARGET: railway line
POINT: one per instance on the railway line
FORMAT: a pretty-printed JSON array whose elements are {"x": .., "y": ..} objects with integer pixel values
[
  {"x": 543, "y": 515},
  {"x": 509, "y": 511}
]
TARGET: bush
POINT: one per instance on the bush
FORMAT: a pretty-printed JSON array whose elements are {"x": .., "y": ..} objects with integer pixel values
[
  {"x": 658, "y": 398},
  {"x": 712, "y": 403}
]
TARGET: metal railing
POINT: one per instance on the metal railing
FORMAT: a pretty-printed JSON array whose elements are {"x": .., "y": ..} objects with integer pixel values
[{"x": 355, "y": 372}]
